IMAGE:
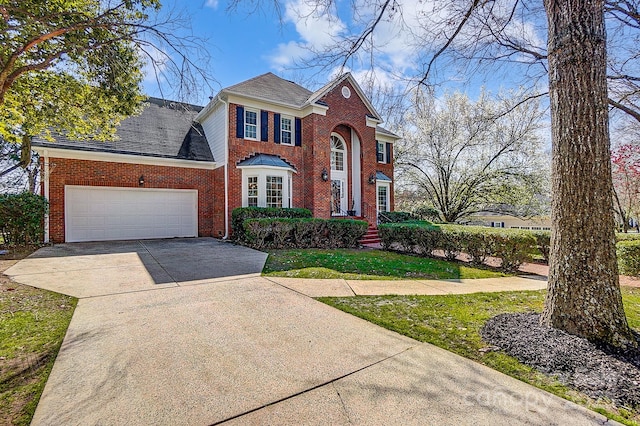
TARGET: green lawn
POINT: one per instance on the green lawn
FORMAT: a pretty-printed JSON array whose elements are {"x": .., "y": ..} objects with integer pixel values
[
  {"x": 366, "y": 265},
  {"x": 453, "y": 322},
  {"x": 33, "y": 325}
]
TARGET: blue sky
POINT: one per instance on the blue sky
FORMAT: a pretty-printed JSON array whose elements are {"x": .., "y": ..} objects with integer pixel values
[{"x": 243, "y": 44}]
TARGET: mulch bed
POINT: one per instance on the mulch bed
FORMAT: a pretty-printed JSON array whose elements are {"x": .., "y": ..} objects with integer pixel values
[{"x": 575, "y": 361}]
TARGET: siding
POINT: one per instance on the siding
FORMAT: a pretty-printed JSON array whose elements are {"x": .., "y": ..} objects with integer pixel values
[{"x": 214, "y": 128}]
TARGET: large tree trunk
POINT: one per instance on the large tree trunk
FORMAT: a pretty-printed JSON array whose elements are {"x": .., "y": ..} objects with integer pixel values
[{"x": 584, "y": 292}]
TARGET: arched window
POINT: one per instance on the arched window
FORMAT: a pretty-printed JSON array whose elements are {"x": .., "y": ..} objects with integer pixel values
[{"x": 337, "y": 154}]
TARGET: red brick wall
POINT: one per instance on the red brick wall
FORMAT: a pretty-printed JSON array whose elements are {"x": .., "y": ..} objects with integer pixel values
[
  {"x": 240, "y": 149},
  {"x": 99, "y": 173},
  {"x": 342, "y": 116}
]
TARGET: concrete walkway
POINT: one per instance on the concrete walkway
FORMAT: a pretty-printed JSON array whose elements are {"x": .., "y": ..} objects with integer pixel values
[
  {"x": 346, "y": 288},
  {"x": 145, "y": 348}
]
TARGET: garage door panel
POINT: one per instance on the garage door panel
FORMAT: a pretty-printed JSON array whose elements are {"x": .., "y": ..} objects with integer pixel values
[{"x": 105, "y": 213}]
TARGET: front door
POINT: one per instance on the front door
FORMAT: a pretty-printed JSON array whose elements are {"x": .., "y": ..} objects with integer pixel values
[
  {"x": 338, "y": 206},
  {"x": 339, "y": 184}
]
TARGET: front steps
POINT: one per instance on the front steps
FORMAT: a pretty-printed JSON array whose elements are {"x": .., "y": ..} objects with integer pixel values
[{"x": 371, "y": 237}]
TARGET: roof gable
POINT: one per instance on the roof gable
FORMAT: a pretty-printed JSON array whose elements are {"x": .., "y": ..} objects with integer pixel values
[
  {"x": 320, "y": 93},
  {"x": 272, "y": 88}
]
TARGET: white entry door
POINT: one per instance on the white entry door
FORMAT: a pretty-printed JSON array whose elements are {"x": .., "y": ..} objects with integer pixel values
[
  {"x": 339, "y": 177},
  {"x": 106, "y": 213}
]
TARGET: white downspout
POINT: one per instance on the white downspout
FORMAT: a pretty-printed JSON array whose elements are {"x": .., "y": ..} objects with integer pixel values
[
  {"x": 45, "y": 182},
  {"x": 226, "y": 168}
]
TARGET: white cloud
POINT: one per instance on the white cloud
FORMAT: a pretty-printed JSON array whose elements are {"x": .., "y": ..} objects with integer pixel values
[
  {"x": 213, "y": 4},
  {"x": 403, "y": 40},
  {"x": 317, "y": 29},
  {"x": 155, "y": 63}
]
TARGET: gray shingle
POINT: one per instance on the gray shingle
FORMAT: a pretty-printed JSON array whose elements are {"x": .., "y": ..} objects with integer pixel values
[
  {"x": 164, "y": 129},
  {"x": 382, "y": 177},
  {"x": 265, "y": 160},
  {"x": 271, "y": 87},
  {"x": 384, "y": 131}
]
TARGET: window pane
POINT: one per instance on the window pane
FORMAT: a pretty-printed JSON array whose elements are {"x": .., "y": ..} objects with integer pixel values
[
  {"x": 381, "y": 152},
  {"x": 285, "y": 131},
  {"x": 382, "y": 199},
  {"x": 337, "y": 160},
  {"x": 250, "y": 124},
  {"x": 274, "y": 191},
  {"x": 252, "y": 191}
]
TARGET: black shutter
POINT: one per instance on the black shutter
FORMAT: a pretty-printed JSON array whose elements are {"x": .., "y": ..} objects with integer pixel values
[
  {"x": 264, "y": 126},
  {"x": 239, "y": 121},
  {"x": 388, "y": 146},
  {"x": 276, "y": 128},
  {"x": 298, "y": 132}
]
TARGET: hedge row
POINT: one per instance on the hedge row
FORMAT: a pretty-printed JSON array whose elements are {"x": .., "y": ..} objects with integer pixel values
[
  {"x": 275, "y": 233},
  {"x": 22, "y": 218},
  {"x": 239, "y": 215},
  {"x": 628, "y": 257},
  {"x": 631, "y": 236},
  {"x": 513, "y": 247}
]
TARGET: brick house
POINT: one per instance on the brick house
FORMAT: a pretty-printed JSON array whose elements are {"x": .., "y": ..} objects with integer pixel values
[{"x": 179, "y": 170}]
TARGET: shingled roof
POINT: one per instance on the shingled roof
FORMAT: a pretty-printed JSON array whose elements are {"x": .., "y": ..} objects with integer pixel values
[
  {"x": 164, "y": 129},
  {"x": 273, "y": 88}
]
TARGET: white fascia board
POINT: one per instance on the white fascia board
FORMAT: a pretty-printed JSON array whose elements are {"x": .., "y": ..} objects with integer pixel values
[
  {"x": 281, "y": 169},
  {"x": 373, "y": 122},
  {"x": 383, "y": 137},
  {"x": 315, "y": 109},
  {"x": 110, "y": 157},
  {"x": 208, "y": 109},
  {"x": 264, "y": 104}
]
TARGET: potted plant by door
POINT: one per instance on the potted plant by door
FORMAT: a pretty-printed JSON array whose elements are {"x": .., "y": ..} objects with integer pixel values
[{"x": 352, "y": 212}]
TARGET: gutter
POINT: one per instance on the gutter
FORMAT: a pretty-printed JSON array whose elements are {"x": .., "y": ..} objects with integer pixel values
[
  {"x": 45, "y": 189},
  {"x": 226, "y": 167}
]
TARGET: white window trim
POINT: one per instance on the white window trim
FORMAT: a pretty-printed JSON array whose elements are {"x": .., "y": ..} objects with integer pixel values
[
  {"x": 383, "y": 151},
  {"x": 292, "y": 130},
  {"x": 262, "y": 173},
  {"x": 257, "y": 112},
  {"x": 388, "y": 186},
  {"x": 247, "y": 184}
]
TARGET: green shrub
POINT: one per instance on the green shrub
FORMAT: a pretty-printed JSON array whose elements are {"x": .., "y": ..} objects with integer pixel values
[
  {"x": 543, "y": 243},
  {"x": 631, "y": 236},
  {"x": 396, "y": 217},
  {"x": 628, "y": 257},
  {"x": 513, "y": 247},
  {"x": 240, "y": 214},
  {"x": 22, "y": 218},
  {"x": 475, "y": 241},
  {"x": 276, "y": 233}
]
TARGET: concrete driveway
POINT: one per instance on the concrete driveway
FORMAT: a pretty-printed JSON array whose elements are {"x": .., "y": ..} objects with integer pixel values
[
  {"x": 146, "y": 346},
  {"x": 104, "y": 268}
]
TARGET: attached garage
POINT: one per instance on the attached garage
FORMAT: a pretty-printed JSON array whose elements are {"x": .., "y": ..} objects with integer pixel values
[{"x": 108, "y": 213}]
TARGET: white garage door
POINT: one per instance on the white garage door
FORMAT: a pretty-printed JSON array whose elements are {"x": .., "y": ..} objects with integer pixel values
[{"x": 105, "y": 213}]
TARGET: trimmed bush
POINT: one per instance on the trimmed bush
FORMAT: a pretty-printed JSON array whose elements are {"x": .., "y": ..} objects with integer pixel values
[
  {"x": 513, "y": 247},
  {"x": 543, "y": 243},
  {"x": 631, "y": 236},
  {"x": 396, "y": 217},
  {"x": 628, "y": 257},
  {"x": 240, "y": 214},
  {"x": 22, "y": 218},
  {"x": 276, "y": 233}
]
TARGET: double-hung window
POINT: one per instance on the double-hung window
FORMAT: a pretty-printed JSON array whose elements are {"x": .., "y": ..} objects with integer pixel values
[
  {"x": 381, "y": 152},
  {"x": 274, "y": 191},
  {"x": 252, "y": 191},
  {"x": 286, "y": 131},
  {"x": 250, "y": 124},
  {"x": 264, "y": 187}
]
